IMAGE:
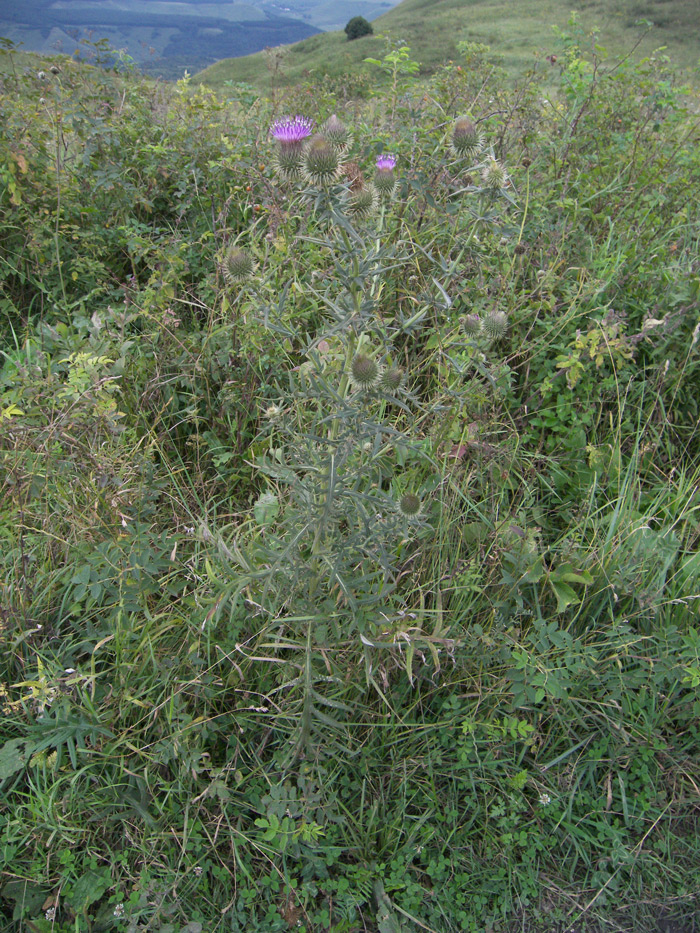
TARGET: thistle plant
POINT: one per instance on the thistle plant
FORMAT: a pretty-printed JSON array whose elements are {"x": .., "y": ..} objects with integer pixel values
[
  {"x": 340, "y": 504},
  {"x": 345, "y": 494}
]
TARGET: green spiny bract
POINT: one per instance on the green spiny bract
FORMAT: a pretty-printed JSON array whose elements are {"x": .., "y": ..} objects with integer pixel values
[
  {"x": 467, "y": 141},
  {"x": 321, "y": 162},
  {"x": 494, "y": 175},
  {"x": 392, "y": 378},
  {"x": 495, "y": 325},
  {"x": 471, "y": 325},
  {"x": 337, "y": 133},
  {"x": 410, "y": 505},
  {"x": 365, "y": 372},
  {"x": 237, "y": 264},
  {"x": 362, "y": 200}
]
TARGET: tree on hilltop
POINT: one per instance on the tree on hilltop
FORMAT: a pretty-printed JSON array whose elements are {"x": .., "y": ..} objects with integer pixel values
[{"x": 358, "y": 26}]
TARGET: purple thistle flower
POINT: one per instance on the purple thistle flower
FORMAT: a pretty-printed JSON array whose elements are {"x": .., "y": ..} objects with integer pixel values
[
  {"x": 386, "y": 162},
  {"x": 292, "y": 129},
  {"x": 384, "y": 178}
]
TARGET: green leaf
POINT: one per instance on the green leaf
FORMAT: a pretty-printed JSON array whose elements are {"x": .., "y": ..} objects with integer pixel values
[
  {"x": 89, "y": 888},
  {"x": 569, "y": 575},
  {"x": 266, "y": 509},
  {"x": 564, "y": 593},
  {"x": 13, "y": 756}
]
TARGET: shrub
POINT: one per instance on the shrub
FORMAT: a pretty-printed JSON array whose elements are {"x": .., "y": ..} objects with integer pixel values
[{"x": 358, "y": 26}]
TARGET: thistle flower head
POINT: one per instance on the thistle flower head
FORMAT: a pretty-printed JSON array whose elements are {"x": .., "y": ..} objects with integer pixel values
[
  {"x": 467, "y": 141},
  {"x": 410, "y": 505},
  {"x": 291, "y": 130},
  {"x": 471, "y": 324},
  {"x": 392, "y": 378},
  {"x": 237, "y": 264},
  {"x": 321, "y": 161},
  {"x": 362, "y": 201},
  {"x": 386, "y": 162},
  {"x": 365, "y": 373},
  {"x": 384, "y": 178},
  {"x": 290, "y": 133},
  {"x": 336, "y": 132},
  {"x": 494, "y": 175},
  {"x": 495, "y": 325}
]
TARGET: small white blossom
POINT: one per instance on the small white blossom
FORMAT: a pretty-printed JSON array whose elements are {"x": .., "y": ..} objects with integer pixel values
[{"x": 545, "y": 800}]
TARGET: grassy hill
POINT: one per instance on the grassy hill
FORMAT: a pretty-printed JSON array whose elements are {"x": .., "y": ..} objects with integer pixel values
[{"x": 432, "y": 28}]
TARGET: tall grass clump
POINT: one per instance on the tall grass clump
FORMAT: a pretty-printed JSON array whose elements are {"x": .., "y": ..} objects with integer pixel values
[{"x": 349, "y": 524}]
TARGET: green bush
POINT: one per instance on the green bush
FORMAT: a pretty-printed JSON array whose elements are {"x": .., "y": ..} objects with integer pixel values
[{"x": 358, "y": 26}]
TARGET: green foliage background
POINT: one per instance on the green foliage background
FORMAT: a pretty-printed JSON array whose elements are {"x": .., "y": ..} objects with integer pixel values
[{"x": 226, "y": 705}]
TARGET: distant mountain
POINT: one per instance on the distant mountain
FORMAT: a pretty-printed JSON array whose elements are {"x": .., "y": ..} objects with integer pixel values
[
  {"x": 328, "y": 15},
  {"x": 164, "y": 37}
]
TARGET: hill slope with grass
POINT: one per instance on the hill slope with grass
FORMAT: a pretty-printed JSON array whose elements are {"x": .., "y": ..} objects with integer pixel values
[
  {"x": 162, "y": 37},
  {"x": 515, "y": 31}
]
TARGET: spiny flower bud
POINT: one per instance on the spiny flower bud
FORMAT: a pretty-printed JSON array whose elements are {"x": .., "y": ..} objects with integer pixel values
[
  {"x": 495, "y": 325},
  {"x": 471, "y": 325},
  {"x": 410, "y": 505},
  {"x": 494, "y": 175},
  {"x": 362, "y": 201},
  {"x": 365, "y": 373},
  {"x": 520, "y": 249},
  {"x": 392, "y": 378},
  {"x": 273, "y": 412},
  {"x": 336, "y": 133},
  {"x": 237, "y": 264},
  {"x": 321, "y": 161},
  {"x": 384, "y": 178},
  {"x": 290, "y": 133},
  {"x": 467, "y": 141}
]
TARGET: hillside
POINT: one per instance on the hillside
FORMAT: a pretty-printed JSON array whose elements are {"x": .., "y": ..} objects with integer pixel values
[
  {"x": 328, "y": 15},
  {"x": 162, "y": 37},
  {"x": 432, "y": 29}
]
